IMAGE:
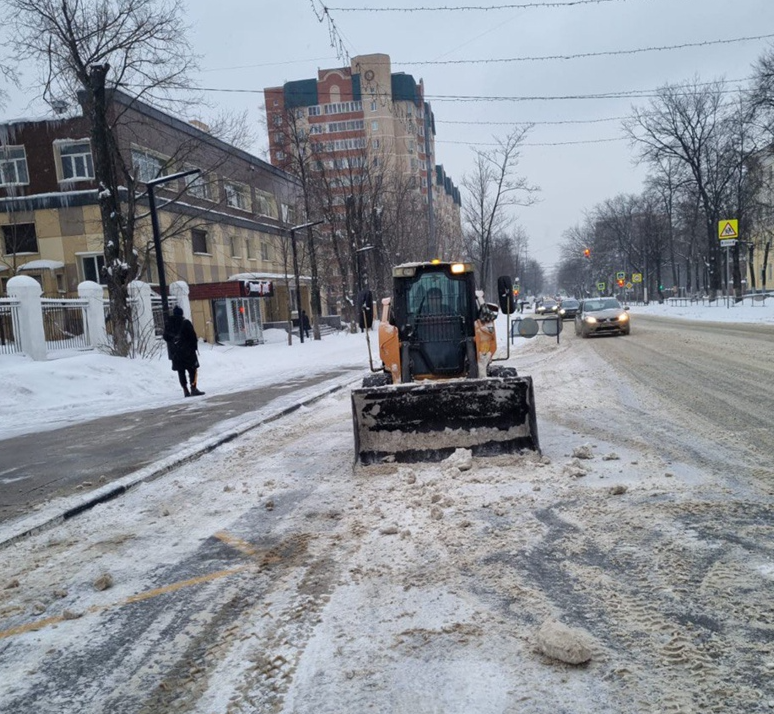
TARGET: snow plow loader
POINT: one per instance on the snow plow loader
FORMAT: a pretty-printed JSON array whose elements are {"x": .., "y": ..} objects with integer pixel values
[{"x": 437, "y": 389}]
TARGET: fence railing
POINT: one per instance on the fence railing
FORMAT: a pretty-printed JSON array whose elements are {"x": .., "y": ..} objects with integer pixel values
[
  {"x": 65, "y": 324},
  {"x": 9, "y": 326},
  {"x": 37, "y": 326}
]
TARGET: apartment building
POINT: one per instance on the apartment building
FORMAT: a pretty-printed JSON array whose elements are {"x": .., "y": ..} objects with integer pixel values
[
  {"x": 226, "y": 225},
  {"x": 359, "y": 118}
]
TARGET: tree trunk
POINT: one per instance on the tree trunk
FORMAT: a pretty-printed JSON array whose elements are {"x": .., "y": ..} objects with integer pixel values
[{"x": 109, "y": 204}]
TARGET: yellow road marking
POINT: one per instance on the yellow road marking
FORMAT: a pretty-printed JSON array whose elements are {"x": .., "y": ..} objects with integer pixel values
[{"x": 236, "y": 543}]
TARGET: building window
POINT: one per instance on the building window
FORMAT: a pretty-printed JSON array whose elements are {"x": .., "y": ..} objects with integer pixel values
[
  {"x": 237, "y": 196},
  {"x": 92, "y": 268},
  {"x": 147, "y": 166},
  {"x": 13, "y": 166},
  {"x": 234, "y": 245},
  {"x": 374, "y": 143},
  {"x": 373, "y": 105},
  {"x": 265, "y": 251},
  {"x": 277, "y": 120},
  {"x": 20, "y": 238},
  {"x": 199, "y": 186},
  {"x": 249, "y": 249},
  {"x": 375, "y": 161},
  {"x": 280, "y": 155},
  {"x": 199, "y": 240},
  {"x": 414, "y": 164},
  {"x": 424, "y": 182},
  {"x": 267, "y": 204},
  {"x": 316, "y": 129},
  {"x": 412, "y": 147},
  {"x": 374, "y": 126},
  {"x": 76, "y": 161},
  {"x": 314, "y": 111}
]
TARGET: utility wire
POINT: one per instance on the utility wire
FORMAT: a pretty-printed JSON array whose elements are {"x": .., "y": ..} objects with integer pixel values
[
  {"x": 467, "y": 8},
  {"x": 584, "y": 55},
  {"x": 529, "y": 123},
  {"x": 550, "y": 143}
]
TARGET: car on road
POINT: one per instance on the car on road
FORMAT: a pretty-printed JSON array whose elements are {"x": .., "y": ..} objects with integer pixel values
[
  {"x": 568, "y": 308},
  {"x": 546, "y": 307},
  {"x": 602, "y": 316}
]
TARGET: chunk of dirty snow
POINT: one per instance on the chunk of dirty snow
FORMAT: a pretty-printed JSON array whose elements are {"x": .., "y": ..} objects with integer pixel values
[
  {"x": 612, "y": 456},
  {"x": 618, "y": 489},
  {"x": 583, "y": 452},
  {"x": 389, "y": 530},
  {"x": 462, "y": 459},
  {"x": 103, "y": 582},
  {"x": 567, "y": 644}
]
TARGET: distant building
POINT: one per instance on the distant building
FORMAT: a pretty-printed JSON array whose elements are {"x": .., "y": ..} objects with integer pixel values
[{"x": 359, "y": 116}]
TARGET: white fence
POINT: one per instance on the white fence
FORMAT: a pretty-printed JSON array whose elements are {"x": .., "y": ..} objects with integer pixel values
[
  {"x": 38, "y": 326},
  {"x": 9, "y": 326}
]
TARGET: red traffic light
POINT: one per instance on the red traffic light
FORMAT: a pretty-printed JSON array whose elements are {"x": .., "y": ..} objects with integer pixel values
[
  {"x": 587, "y": 252},
  {"x": 620, "y": 283}
]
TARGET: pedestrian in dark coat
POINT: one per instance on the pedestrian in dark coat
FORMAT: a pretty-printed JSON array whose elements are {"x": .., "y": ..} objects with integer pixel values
[
  {"x": 305, "y": 323},
  {"x": 182, "y": 346}
]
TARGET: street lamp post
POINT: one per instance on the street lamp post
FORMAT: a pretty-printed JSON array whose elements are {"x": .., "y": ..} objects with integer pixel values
[
  {"x": 157, "y": 233},
  {"x": 295, "y": 271}
]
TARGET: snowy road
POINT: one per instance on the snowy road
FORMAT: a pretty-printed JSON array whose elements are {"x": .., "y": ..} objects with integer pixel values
[{"x": 270, "y": 577}]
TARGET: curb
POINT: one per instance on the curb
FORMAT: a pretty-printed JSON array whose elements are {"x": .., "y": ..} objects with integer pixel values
[{"x": 31, "y": 525}]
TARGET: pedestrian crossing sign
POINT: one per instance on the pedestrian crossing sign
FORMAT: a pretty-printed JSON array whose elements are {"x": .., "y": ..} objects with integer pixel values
[{"x": 728, "y": 229}]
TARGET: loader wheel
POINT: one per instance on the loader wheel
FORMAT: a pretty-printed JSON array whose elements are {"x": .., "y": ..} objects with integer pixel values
[
  {"x": 502, "y": 372},
  {"x": 380, "y": 379}
]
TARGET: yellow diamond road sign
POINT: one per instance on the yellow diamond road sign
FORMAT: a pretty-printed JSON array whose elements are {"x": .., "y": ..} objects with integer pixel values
[
  {"x": 728, "y": 228},
  {"x": 636, "y": 277}
]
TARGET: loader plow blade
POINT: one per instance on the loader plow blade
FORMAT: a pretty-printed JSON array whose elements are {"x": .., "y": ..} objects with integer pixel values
[{"x": 427, "y": 421}]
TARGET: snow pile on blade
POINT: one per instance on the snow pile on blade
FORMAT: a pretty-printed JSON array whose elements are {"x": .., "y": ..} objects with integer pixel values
[{"x": 427, "y": 421}]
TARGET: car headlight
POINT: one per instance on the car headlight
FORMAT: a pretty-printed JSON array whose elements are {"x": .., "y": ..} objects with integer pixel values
[
  {"x": 590, "y": 319},
  {"x": 561, "y": 312},
  {"x": 623, "y": 317}
]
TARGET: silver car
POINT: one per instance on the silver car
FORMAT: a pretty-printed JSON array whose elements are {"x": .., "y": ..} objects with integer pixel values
[{"x": 602, "y": 316}]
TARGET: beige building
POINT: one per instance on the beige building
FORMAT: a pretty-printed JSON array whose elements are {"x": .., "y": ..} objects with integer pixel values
[{"x": 229, "y": 223}]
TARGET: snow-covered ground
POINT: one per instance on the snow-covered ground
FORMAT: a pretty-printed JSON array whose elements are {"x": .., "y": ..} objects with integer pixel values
[
  {"x": 81, "y": 386},
  {"x": 410, "y": 589}
]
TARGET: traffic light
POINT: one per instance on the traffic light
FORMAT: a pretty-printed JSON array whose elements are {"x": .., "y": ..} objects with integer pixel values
[
  {"x": 620, "y": 283},
  {"x": 587, "y": 252}
]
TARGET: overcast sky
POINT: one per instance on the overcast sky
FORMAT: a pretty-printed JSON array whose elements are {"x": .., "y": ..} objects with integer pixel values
[{"x": 252, "y": 44}]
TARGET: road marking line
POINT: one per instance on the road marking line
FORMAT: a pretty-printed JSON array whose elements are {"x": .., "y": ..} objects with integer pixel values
[{"x": 237, "y": 543}]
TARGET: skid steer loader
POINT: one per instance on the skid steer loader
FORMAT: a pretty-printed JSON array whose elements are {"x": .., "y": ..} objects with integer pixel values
[{"x": 437, "y": 389}]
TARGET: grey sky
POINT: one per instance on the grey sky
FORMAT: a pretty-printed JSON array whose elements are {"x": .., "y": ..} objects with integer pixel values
[{"x": 252, "y": 44}]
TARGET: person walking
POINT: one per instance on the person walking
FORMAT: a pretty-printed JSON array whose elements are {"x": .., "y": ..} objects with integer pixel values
[
  {"x": 305, "y": 323},
  {"x": 182, "y": 346}
]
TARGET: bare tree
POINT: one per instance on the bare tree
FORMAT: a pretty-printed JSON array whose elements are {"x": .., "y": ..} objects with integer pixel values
[
  {"x": 493, "y": 188},
  {"x": 693, "y": 124},
  {"x": 88, "y": 48}
]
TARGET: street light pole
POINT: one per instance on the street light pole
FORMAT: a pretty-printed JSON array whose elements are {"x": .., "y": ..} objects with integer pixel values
[
  {"x": 157, "y": 233},
  {"x": 295, "y": 271}
]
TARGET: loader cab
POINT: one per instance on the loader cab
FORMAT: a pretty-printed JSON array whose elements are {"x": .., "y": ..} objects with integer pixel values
[{"x": 434, "y": 307}]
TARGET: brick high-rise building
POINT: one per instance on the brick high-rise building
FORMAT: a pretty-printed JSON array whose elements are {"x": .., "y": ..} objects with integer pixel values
[{"x": 352, "y": 123}]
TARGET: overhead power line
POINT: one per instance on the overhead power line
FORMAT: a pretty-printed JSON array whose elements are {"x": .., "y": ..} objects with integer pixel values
[
  {"x": 548, "y": 143},
  {"x": 631, "y": 94},
  {"x": 469, "y": 8},
  {"x": 529, "y": 123},
  {"x": 584, "y": 55}
]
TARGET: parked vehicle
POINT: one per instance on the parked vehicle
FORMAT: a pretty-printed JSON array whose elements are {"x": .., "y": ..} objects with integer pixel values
[
  {"x": 568, "y": 308},
  {"x": 602, "y": 316}
]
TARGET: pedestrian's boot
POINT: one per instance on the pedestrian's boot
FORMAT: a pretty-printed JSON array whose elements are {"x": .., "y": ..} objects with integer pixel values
[
  {"x": 186, "y": 392},
  {"x": 196, "y": 392}
]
